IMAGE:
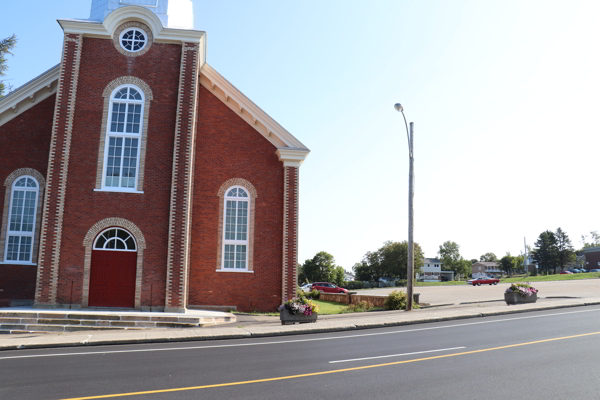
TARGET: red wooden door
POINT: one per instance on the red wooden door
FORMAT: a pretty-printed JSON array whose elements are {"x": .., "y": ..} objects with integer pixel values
[{"x": 112, "y": 278}]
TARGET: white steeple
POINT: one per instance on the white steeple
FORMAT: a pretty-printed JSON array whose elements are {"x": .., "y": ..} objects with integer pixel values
[{"x": 172, "y": 13}]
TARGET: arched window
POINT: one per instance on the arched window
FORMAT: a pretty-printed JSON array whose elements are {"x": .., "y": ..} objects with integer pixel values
[
  {"x": 22, "y": 212},
  {"x": 235, "y": 229},
  {"x": 123, "y": 138},
  {"x": 115, "y": 239}
]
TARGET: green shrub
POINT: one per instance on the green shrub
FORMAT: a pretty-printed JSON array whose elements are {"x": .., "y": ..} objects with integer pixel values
[
  {"x": 397, "y": 301},
  {"x": 314, "y": 294},
  {"x": 300, "y": 293},
  {"x": 361, "y": 306}
]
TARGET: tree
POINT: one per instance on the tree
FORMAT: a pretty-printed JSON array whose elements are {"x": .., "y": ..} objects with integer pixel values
[
  {"x": 507, "y": 263},
  {"x": 320, "y": 268},
  {"x": 488, "y": 257},
  {"x": 338, "y": 276},
  {"x": 449, "y": 254},
  {"x": 6, "y": 45},
  {"x": 389, "y": 260},
  {"x": 566, "y": 253},
  {"x": 546, "y": 251},
  {"x": 591, "y": 240}
]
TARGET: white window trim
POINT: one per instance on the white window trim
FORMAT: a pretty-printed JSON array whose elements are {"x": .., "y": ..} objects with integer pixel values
[
  {"x": 246, "y": 242},
  {"x": 133, "y": 29},
  {"x": 110, "y": 229},
  {"x": 110, "y": 134},
  {"x": 19, "y": 233}
]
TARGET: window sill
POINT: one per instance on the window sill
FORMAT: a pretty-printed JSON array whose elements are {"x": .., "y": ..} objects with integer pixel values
[
  {"x": 234, "y": 270},
  {"x": 16, "y": 263},
  {"x": 118, "y": 191}
]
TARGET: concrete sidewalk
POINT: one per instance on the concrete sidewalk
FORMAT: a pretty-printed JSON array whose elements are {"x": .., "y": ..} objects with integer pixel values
[{"x": 250, "y": 326}]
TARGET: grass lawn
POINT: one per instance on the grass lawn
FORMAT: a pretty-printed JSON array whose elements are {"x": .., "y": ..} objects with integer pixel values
[
  {"x": 330, "y": 307},
  {"x": 550, "y": 278},
  {"x": 449, "y": 283}
]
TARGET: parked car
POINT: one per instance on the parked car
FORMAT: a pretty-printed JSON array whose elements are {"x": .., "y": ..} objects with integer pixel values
[
  {"x": 483, "y": 281},
  {"x": 307, "y": 287},
  {"x": 594, "y": 270},
  {"x": 565, "y": 272},
  {"x": 326, "y": 287},
  {"x": 575, "y": 270}
]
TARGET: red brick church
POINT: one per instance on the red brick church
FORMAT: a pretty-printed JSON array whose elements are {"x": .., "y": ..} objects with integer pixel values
[{"x": 136, "y": 176}]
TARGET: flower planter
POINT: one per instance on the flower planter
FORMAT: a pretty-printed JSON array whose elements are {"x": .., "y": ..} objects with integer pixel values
[
  {"x": 288, "y": 318},
  {"x": 516, "y": 298}
]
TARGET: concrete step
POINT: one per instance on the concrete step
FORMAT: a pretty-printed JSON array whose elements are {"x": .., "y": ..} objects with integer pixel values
[{"x": 45, "y": 322}]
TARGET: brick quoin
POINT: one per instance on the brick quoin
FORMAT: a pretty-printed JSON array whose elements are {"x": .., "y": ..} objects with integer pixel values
[
  {"x": 101, "y": 63},
  {"x": 227, "y": 147}
]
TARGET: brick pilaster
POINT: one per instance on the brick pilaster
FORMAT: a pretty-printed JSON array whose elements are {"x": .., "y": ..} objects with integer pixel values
[
  {"x": 180, "y": 213},
  {"x": 290, "y": 232},
  {"x": 58, "y": 166}
]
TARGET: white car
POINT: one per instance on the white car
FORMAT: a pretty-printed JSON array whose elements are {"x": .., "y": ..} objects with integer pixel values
[{"x": 306, "y": 288}]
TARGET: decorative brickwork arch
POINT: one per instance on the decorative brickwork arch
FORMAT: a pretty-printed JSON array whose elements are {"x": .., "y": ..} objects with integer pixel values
[
  {"x": 8, "y": 182},
  {"x": 88, "y": 242},
  {"x": 148, "y": 97},
  {"x": 253, "y": 195}
]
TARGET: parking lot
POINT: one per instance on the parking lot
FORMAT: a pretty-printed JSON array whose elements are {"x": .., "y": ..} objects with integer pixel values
[{"x": 456, "y": 294}]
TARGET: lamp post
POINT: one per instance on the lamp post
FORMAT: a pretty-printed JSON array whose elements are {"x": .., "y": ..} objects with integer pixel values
[{"x": 411, "y": 194}]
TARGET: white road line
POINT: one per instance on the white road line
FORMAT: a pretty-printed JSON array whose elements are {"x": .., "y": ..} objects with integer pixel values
[
  {"x": 297, "y": 340},
  {"x": 397, "y": 355}
]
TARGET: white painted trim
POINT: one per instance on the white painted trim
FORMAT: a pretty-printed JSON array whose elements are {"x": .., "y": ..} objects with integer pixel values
[
  {"x": 292, "y": 157},
  {"x": 235, "y": 242},
  {"x": 109, "y": 134},
  {"x": 32, "y": 93},
  {"x": 118, "y": 191},
  {"x": 235, "y": 270},
  {"x": 121, "y": 15},
  {"x": 10, "y": 233},
  {"x": 17, "y": 263},
  {"x": 245, "y": 108}
]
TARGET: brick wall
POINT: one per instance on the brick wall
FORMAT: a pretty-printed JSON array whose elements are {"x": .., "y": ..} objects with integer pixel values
[
  {"x": 227, "y": 147},
  {"x": 24, "y": 141},
  {"x": 101, "y": 63}
]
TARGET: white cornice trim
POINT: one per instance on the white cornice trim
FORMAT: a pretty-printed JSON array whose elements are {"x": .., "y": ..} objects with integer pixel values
[
  {"x": 121, "y": 15},
  {"x": 29, "y": 95},
  {"x": 247, "y": 110},
  {"x": 292, "y": 157}
]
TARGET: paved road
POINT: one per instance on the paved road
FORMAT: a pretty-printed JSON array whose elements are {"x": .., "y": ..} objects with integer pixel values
[
  {"x": 466, "y": 293},
  {"x": 537, "y": 355}
]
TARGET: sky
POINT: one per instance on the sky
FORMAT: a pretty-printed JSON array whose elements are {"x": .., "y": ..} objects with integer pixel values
[{"x": 503, "y": 96}]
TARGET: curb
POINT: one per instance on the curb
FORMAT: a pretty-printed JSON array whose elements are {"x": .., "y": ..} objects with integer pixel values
[{"x": 334, "y": 327}]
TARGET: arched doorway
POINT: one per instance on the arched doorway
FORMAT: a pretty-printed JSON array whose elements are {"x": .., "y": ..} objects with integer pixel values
[{"x": 113, "y": 269}]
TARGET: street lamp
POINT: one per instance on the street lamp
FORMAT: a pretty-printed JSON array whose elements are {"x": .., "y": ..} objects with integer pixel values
[{"x": 411, "y": 195}]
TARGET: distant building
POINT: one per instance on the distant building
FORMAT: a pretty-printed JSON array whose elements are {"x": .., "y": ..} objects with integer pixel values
[
  {"x": 348, "y": 276},
  {"x": 432, "y": 267},
  {"x": 592, "y": 258},
  {"x": 432, "y": 270},
  {"x": 483, "y": 269}
]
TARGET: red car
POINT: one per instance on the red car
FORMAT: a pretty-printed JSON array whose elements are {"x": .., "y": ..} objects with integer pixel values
[
  {"x": 326, "y": 287},
  {"x": 483, "y": 281}
]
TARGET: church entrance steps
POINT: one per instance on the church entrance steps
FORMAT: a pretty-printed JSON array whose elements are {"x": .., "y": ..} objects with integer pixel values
[{"x": 29, "y": 320}]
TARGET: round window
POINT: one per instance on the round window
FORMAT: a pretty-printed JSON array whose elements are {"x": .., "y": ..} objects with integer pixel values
[{"x": 133, "y": 39}]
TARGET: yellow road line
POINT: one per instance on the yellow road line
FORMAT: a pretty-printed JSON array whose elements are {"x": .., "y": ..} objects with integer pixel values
[{"x": 280, "y": 378}]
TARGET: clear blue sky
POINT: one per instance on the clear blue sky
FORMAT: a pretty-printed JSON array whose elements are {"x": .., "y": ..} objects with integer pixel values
[{"x": 504, "y": 96}]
